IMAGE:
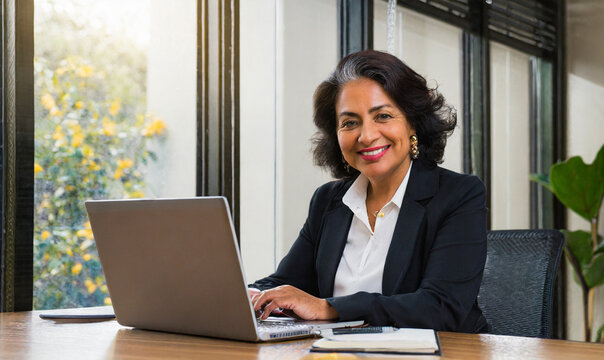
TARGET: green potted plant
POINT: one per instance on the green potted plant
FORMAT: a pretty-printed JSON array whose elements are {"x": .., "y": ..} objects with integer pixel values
[{"x": 580, "y": 187}]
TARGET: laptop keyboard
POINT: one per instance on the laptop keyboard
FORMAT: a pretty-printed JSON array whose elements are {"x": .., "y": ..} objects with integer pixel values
[{"x": 280, "y": 329}]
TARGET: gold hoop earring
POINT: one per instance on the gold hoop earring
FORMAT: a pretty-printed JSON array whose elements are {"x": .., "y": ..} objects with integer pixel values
[{"x": 414, "y": 149}]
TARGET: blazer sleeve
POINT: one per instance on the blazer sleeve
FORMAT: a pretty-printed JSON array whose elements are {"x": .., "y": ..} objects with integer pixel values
[
  {"x": 297, "y": 268},
  {"x": 451, "y": 278}
]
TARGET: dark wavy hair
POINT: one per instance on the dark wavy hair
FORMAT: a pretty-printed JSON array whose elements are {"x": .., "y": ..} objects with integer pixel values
[{"x": 424, "y": 108}]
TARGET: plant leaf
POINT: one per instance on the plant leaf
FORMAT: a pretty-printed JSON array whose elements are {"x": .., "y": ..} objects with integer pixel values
[
  {"x": 542, "y": 179},
  {"x": 594, "y": 272},
  {"x": 579, "y": 243},
  {"x": 599, "y": 334},
  {"x": 578, "y": 186}
]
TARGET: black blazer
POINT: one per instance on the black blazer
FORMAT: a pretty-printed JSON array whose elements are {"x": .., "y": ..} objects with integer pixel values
[{"x": 434, "y": 264}]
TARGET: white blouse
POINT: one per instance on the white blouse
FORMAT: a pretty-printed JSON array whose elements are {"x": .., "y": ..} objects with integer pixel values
[{"x": 361, "y": 267}]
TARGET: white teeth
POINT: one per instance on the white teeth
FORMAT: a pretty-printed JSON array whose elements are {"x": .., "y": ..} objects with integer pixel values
[{"x": 374, "y": 152}]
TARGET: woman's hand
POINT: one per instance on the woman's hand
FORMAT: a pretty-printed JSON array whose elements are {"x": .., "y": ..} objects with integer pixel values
[
  {"x": 251, "y": 292},
  {"x": 294, "y": 301}
]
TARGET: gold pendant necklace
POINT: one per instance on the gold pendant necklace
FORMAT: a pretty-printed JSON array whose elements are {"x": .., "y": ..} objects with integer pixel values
[{"x": 378, "y": 214}]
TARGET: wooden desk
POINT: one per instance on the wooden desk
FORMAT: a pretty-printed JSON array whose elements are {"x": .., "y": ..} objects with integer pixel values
[{"x": 25, "y": 336}]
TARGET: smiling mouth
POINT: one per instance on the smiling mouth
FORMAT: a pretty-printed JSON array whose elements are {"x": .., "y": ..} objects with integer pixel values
[
  {"x": 373, "y": 154},
  {"x": 374, "y": 151}
]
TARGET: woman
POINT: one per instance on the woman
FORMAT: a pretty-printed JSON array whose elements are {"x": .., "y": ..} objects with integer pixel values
[{"x": 398, "y": 240}]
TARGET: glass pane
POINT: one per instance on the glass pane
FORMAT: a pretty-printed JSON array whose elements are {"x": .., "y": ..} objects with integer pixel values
[
  {"x": 115, "y": 118},
  {"x": 510, "y": 140},
  {"x": 287, "y": 49},
  {"x": 433, "y": 49}
]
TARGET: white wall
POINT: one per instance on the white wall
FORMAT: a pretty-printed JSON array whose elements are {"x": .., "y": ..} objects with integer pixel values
[
  {"x": 433, "y": 49},
  {"x": 287, "y": 49},
  {"x": 171, "y": 95},
  {"x": 257, "y": 136},
  {"x": 585, "y": 126},
  {"x": 510, "y": 142},
  {"x": 307, "y": 53}
]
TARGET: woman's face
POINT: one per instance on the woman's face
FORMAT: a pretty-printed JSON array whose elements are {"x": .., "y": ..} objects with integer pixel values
[{"x": 373, "y": 132}]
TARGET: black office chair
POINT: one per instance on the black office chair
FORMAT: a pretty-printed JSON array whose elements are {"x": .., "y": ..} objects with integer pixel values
[{"x": 516, "y": 294}]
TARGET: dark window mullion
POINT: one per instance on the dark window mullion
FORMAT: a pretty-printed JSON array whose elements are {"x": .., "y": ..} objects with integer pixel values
[
  {"x": 477, "y": 92},
  {"x": 217, "y": 104},
  {"x": 355, "y": 23},
  {"x": 542, "y": 140},
  {"x": 16, "y": 271}
]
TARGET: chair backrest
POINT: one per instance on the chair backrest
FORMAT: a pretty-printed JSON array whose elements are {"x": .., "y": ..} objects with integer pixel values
[{"x": 516, "y": 294}]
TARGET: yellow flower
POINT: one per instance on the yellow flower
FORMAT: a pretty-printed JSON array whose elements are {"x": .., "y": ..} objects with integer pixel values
[
  {"x": 46, "y": 257},
  {"x": 77, "y": 140},
  {"x": 45, "y": 204},
  {"x": 95, "y": 115},
  {"x": 108, "y": 127},
  {"x": 137, "y": 194},
  {"x": 48, "y": 101},
  {"x": 69, "y": 187},
  {"x": 94, "y": 166},
  {"x": 58, "y": 134},
  {"x": 124, "y": 163},
  {"x": 86, "y": 232},
  {"x": 76, "y": 269},
  {"x": 87, "y": 151},
  {"x": 55, "y": 111},
  {"x": 115, "y": 107},
  {"x": 69, "y": 251},
  {"x": 60, "y": 71},
  {"x": 37, "y": 168},
  {"x": 155, "y": 127},
  {"x": 90, "y": 285},
  {"x": 74, "y": 126},
  {"x": 140, "y": 120},
  {"x": 84, "y": 71},
  {"x": 107, "y": 301},
  {"x": 118, "y": 174},
  {"x": 87, "y": 257},
  {"x": 79, "y": 105},
  {"x": 45, "y": 234}
]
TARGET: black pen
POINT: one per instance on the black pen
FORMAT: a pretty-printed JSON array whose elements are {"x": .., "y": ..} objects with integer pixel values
[{"x": 357, "y": 330}]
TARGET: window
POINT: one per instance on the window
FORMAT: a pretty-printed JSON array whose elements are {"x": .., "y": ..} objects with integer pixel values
[
  {"x": 510, "y": 140},
  {"x": 115, "y": 117}
]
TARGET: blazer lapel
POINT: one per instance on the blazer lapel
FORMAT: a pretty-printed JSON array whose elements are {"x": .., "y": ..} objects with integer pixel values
[
  {"x": 331, "y": 246},
  {"x": 423, "y": 184}
]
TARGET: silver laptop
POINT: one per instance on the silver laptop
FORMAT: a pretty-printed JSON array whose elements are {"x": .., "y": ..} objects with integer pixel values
[{"x": 174, "y": 265}]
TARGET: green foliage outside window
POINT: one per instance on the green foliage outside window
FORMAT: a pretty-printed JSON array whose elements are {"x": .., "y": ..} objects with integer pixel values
[
  {"x": 88, "y": 146},
  {"x": 91, "y": 142}
]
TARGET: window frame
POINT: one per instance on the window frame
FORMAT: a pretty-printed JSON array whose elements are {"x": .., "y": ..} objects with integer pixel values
[{"x": 219, "y": 47}]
